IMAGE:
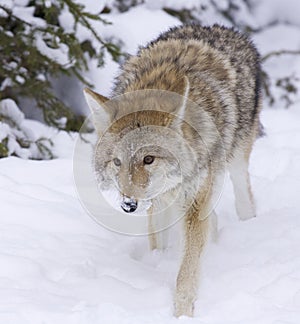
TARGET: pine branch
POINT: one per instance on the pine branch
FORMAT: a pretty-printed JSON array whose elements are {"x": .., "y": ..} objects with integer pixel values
[
  {"x": 76, "y": 11},
  {"x": 278, "y": 53}
]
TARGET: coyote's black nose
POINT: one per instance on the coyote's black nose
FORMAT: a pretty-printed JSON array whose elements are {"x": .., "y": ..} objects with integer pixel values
[{"x": 129, "y": 205}]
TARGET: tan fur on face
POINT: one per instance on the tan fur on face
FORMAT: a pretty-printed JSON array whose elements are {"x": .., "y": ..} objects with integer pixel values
[
  {"x": 131, "y": 185},
  {"x": 140, "y": 119},
  {"x": 140, "y": 176}
]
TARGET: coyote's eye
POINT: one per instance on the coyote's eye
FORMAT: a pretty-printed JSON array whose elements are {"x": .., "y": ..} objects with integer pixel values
[
  {"x": 148, "y": 159},
  {"x": 117, "y": 162}
]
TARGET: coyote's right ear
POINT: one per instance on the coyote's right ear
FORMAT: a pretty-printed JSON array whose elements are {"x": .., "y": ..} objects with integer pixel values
[{"x": 102, "y": 115}]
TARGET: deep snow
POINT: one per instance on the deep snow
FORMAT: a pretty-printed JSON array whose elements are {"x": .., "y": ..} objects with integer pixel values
[{"x": 59, "y": 266}]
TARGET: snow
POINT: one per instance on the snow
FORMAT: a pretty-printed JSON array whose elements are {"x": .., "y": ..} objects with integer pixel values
[
  {"x": 22, "y": 139},
  {"x": 58, "y": 266},
  {"x": 92, "y": 5},
  {"x": 26, "y": 14},
  {"x": 4, "y": 131},
  {"x": 60, "y": 55},
  {"x": 286, "y": 11},
  {"x": 9, "y": 108},
  {"x": 135, "y": 31}
]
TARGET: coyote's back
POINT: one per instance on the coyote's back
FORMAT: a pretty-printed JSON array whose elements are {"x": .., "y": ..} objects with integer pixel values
[{"x": 223, "y": 68}]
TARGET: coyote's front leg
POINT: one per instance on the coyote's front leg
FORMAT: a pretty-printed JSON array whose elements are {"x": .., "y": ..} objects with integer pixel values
[
  {"x": 196, "y": 230},
  {"x": 157, "y": 228}
]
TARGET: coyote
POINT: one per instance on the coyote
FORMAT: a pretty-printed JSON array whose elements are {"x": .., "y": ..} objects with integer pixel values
[{"x": 184, "y": 102}]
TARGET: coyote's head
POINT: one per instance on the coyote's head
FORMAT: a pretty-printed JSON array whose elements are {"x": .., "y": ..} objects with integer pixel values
[{"x": 140, "y": 154}]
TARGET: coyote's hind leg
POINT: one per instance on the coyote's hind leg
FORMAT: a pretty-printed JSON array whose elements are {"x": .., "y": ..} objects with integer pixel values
[{"x": 239, "y": 175}]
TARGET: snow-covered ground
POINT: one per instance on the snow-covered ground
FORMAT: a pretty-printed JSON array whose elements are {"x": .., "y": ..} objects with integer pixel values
[{"x": 57, "y": 266}]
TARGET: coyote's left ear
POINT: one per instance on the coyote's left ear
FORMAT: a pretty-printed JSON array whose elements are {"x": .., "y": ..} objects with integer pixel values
[
  {"x": 182, "y": 87},
  {"x": 102, "y": 115}
]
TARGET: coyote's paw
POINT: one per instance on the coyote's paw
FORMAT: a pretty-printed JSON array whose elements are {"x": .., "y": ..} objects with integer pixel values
[
  {"x": 183, "y": 306},
  {"x": 246, "y": 215}
]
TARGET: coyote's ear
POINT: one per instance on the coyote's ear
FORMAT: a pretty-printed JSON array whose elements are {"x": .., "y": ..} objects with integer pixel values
[
  {"x": 102, "y": 115},
  {"x": 182, "y": 87}
]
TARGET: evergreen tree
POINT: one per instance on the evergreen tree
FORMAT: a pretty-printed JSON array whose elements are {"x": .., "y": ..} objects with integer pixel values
[{"x": 37, "y": 48}]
